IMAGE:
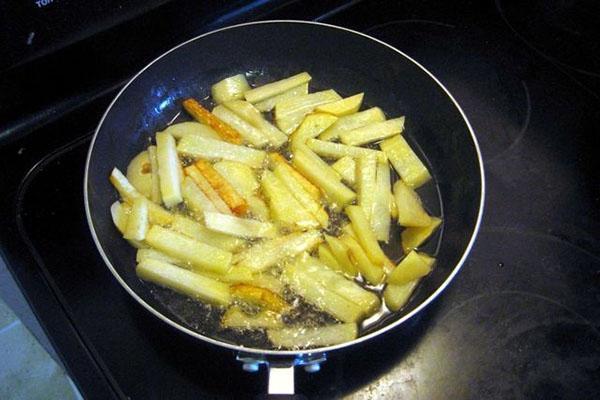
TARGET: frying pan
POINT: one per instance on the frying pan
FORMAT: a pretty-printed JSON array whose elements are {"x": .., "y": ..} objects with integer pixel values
[{"x": 339, "y": 58}]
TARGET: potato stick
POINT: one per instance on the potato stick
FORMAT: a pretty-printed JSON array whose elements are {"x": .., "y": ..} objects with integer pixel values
[
  {"x": 155, "y": 195},
  {"x": 268, "y": 253},
  {"x": 381, "y": 219},
  {"x": 408, "y": 165},
  {"x": 396, "y": 296},
  {"x": 248, "y": 132},
  {"x": 168, "y": 169},
  {"x": 328, "y": 259},
  {"x": 353, "y": 121},
  {"x": 240, "y": 176},
  {"x": 197, "y": 231},
  {"x": 410, "y": 208},
  {"x": 365, "y": 235},
  {"x": 373, "y": 132},
  {"x": 195, "y": 199},
  {"x": 302, "y": 196},
  {"x": 340, "y": 252},
  {"x": 233, "y": 200},
  {"x": 251, "y": 115},
  {"x": 184, "y": 281},
  {"x": 137, "y": 222},
  {"x": 119, "y": 215},
  {"x": 413, "y": 266},
  {"x": 311, "y": 127},
  {"x": 366, "y": 184},
  {"x": 234, "y": 317},
  {"x": 346, "y": 106},
  {"x": 201, "y": 114},
  {"x": 199, "y": 147},
  {"x": 289, "y": 113},
  {"x": 277, "y": 159},
  {"x": 139, "y": 173},
  {"x": 151, "y": 254},
  {"x": 240, "y": 227},
  {"x": 301, "y": 337},
  {"x": 231, "y": 88},
  {"x": 338, "y": 150},
  {"x": 258, "y": 208},
  {"x": 393, "y": 206},
  {"x": 373, "y": 273},
  {"x": 194, "y": 173},
  {"x": 275, "y": 88},
  {"x": 201, "y": 256},
  {"x": 268, "y": 104},
  {"x": 259, "y": 296},
  {"x": 413, "y": 237},
  {"x": 181, "y": 129},
  {"x": 346, "y": 167}
]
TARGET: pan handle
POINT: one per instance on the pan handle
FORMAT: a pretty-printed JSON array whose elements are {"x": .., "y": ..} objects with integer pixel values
[{"x": 281, "y": 370}]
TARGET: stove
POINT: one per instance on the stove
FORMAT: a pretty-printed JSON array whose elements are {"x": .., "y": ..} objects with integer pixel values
[{"x": 521, "y": 319}]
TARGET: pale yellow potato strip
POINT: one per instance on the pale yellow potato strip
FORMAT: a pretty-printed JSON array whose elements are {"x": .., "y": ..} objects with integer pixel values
[
  {"x": 410, "y": 208},
  {"x": 311, "y": 127},
  {"x": 250, "y": 114},
  {"x": 381, "y": 218},
  {"x": 413, "y": 266},
  {"x": 365, "y": 235},
  {"x": 413, "y": 237},
  {"x": 373, "y": 273},
  {"x": 277, "y": 159},
  {"x": 195, "y": 199},
  {"x": 168, "y": 169},
  {"x": 290, "y": 112},
  {"x": 275, "y": 88},
  {"x": 366, "y": 184},
  {"x": 341, "y": 253},
  {"x": 396, "y": 296},
  {"x": 240, "y": 227},
  {"x": 268, "y": 104},
  {"x": 137, "y": 222},
  {"x": 231, "y": 88},
  {"x": 346, "y": 167},
  {"x": 373, "y": 132},
  {"x": 199, "y": 147},
  {"x": 342, "y": 107},
  {"x": 353, "y": 121},
  {"x": 181, "y": 129},
  {"x": 247, "y": 131},
  {"x": 301, "y": 337},
  {"x": 408, "y": 165},
  {"x": 197, "y": 231},
  {"x": 194, "y": 173},
  {"x": 155, "y": 195},
  {"x": 338, "y": 150}
]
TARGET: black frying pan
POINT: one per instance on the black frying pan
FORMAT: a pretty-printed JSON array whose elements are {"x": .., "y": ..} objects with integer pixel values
[{"x": 337, "y": 58}]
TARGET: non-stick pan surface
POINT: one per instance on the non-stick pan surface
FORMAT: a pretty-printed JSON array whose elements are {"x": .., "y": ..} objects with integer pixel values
[{"x": 337, "y": 58}]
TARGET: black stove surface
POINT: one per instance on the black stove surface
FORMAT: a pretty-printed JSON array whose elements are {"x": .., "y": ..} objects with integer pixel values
[{"x": 522, "y": 318}]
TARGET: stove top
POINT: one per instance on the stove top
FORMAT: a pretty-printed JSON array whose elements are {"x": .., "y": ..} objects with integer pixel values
[{"x": 521, "y": 320}]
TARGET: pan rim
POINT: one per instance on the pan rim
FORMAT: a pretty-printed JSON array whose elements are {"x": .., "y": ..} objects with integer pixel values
[{"x": 266, "y": 352}]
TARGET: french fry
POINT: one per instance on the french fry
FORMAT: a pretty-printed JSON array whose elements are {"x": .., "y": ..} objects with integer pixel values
[
  {"x": 199, "y": 232},
  {"x": 246, "y": 130},
  {"x": 250, "y": 114},
  {"x": 410, "y": 208},
  {"x": 155, "y": 195},
  {"x": 277, "y": 159},
  {"x": 243, "y": 179},
  {"x": 346, "y": 167},
  {"x": 233, "y": 200},
  {"x": 184, "y": 281},
  {"x": 302, "y": 337},
  {"x": 408, "y": 165},
  {"x": 276, "y": 88},
  {"x": 234, "y": 317},
  {"x": 310, "y": 127},
  {"x": 259, "y": 296},
  {"x": 181, "y": 129},
  {"x": 168, "y": 169},
  {"x": 380, "y": 218},
  {"x": 413, "y": 237},
  {"x": 341, "y": 253},
  {"x": 151, "y": 254},
  {"x": 119, "y": 214},
  {"x": 195, "y": 199},
  {"x": 328, "y": 259},
  {"x": 346, "y": 106},
  {"x": 366, "y": 184},
  {"x": 413, "y": 266},
  {"x": 268, "y": 253},
  {"x": 290, "y": 112},
  {"x": 137, "y": 222},
  {"x": 285, "y": 208},
  {"x": 365, "y": 235},
  {"x": 374, "y": 274},
  {"x": 194, "y": 174},
  {"x": 240, "y": 227},
  {"x": 231, "y": 88},
  {"x": 139, "y": 173},
  {"x": 338, "y": 150},
  {"x": 353, "y": 121},
  {"x": 210, "y": 149},
  {"x": 396, "y": 296},
  {"x": 268, "y": 104},
  {"x": 204, "y": 116},
  {"x": 199, "y": 255},
  {"x": 373, "y": 132}
]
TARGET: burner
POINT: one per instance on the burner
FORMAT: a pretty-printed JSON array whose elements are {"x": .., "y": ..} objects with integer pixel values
[
  {"x": 563, "y": 31},
  {"x": 486, "y": 81}
]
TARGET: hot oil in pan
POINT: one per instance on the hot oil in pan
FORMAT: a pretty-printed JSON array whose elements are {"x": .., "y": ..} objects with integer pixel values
[{"x": 205, "y": 319}]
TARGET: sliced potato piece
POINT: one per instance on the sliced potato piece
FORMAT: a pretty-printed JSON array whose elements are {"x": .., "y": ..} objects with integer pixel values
[
  {"x": 353, "y": 121},
  {"x": 234, "y": 317},
  {"x": 413, "y": 237},
  {"x": 259, "y": 296},
  {"x": 373, "y": 132},
  {"x": 119, "y": 214},
  {"x": 195, "y": 199},
  {"x": 139, "y": 173},
  {"x": 194, "y": 173},
  {"x": 277, "y": 159},
  {"x": 366, "y": 184},
  {"x": 250, "y": 114},
  {"x": 410, "y": 208},
  {"x": 231, "y": 88},
  {"x": 408, "y": 165},
  {"x": 233, "y": 200},
  {"x": 240, "y": 227},
  {"x": 240, "y": 176},
  {"x": 381, "y": 218},
  {"x": 302, "y": 337},
  {"x": 137, "y": 222},
  {"x": 365, "y": 235},
  {"x": 168, "y": 169},
  {"x": 373, "y": 273},
  {"x": 396, "y": 296},
  {"x": 155, "y": 195},
  {"x": 247, "y": 131},
  {"x": 393, "y": 206},
  {"x": 201, "y": 256},
  {"x": 341, "y": 253},
  {"x": 346, "y": 167},
  {"x": 268, "y": 104},
  {"x": 311, "y": 127},
  {"x": 181, "y": 129},
  {"x": 184, "y": 281},
  {"x": 276, "y": 88},
  {"x": 413, "y": 266},
  {"x": 328, "y": 259},
  {"x": 346, "y": 106},
  {"x": 210, "y": 149},
  {"x": 268, "y": 253},
  {"x": 338, "y": 150},
  {"x": 152, "y": 254},
  {"x": 201, "y": 114},
  {"x": 201, "y": 233},
  {"x": 290, "y": 112}
]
